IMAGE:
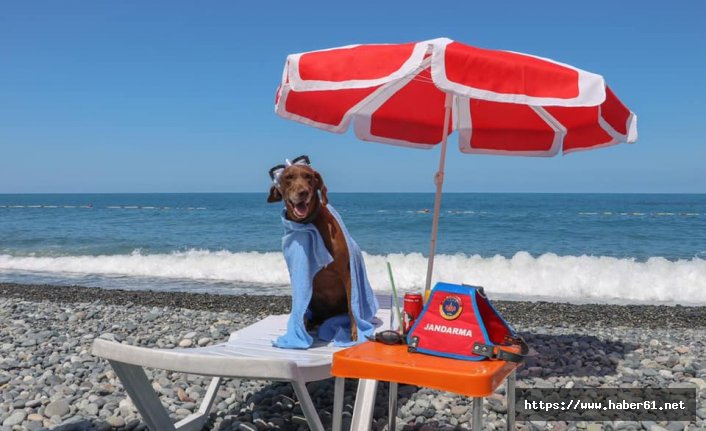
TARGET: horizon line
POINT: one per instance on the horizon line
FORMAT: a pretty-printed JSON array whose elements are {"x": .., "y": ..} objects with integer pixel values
[{"x": 360, "y": 192}]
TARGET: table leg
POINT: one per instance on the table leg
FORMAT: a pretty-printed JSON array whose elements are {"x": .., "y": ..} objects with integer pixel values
[
  {"x": 510, "y": 394},
  {"x": 364, "y": 405},
  {"x": 339, "y": 385},
  {"x": 392, "y": 407},
  {"x": 477, "y": 413}
]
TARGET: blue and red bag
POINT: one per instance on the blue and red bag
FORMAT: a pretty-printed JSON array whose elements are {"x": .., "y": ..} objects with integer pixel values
[{"x": 458, "y": 321}]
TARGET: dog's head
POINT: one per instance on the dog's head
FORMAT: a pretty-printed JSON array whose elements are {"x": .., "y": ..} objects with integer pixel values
[{"x": 299, "y": 187}]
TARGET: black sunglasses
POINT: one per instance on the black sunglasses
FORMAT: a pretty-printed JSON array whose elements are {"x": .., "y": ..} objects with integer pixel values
[{"x": 388, "y": 337}]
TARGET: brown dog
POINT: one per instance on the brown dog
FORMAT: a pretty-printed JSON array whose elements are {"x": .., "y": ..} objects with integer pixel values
[{"x": 299, "y": 187}]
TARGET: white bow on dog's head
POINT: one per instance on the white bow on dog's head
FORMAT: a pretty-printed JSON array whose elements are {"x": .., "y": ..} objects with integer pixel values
[{"x": 276, "y": 171}]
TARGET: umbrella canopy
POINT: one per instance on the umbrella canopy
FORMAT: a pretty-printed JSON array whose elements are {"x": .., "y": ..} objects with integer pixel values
[{"x": 415, "y": 94}]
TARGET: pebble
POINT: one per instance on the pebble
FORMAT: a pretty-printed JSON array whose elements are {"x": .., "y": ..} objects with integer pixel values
[
  {"x": 15, "y": 418},
  {"x": 57, "y": 408},
  {"x": 56, "y": 376},
  {"x": 700, "y": 383},
  {"x": 675, "y": 426},
  {"x": 182, "y": 395},
  {"x": 33, "y": 403},
  {"x": 116, "y": 421},
  {"x": 459, "y": 410},
  {"x": 35, "y": 417},
  {"x": 91, "y": 409}
]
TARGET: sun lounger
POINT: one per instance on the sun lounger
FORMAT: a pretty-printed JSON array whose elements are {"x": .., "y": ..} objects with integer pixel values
[{"x": 248, "y": 353}]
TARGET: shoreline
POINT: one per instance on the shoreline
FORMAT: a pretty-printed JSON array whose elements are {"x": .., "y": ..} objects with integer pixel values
[{"x": 517, "y": 313}]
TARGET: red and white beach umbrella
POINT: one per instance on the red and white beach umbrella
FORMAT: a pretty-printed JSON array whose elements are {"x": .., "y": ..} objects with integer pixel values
[{"x": 416, "y": 94}]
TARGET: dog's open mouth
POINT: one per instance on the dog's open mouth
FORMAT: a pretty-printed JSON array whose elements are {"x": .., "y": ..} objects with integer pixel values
[{"x": 301, "y": 209}]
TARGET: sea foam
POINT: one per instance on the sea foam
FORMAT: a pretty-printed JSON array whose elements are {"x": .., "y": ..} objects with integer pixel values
[{"x": 583, "y": 278}]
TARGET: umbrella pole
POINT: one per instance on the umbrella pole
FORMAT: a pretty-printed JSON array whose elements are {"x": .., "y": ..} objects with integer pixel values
[{"x": 439, "y": 181}]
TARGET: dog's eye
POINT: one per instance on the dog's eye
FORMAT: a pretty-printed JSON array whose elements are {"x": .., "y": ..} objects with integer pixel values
[{"x": 307, "y": 176}]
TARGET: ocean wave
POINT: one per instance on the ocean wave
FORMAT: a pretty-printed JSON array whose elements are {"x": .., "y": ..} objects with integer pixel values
[{"x": 559, "y": 277}]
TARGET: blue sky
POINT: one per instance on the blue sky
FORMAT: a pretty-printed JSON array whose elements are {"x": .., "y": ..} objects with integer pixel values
[{"x": 144, "y": 96}]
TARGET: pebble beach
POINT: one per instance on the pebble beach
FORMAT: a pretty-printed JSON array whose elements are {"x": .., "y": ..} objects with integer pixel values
[{"x": 50, "y": 380}]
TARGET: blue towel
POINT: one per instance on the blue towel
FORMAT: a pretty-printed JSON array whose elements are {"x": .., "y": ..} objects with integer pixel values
[{"x": 305, "y": 253}]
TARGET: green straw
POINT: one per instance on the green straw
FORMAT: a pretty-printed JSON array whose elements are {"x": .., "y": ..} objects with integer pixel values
[{"x": 394, "y": 295}]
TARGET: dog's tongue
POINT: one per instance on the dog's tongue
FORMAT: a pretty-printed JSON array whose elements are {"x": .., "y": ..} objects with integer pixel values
[{"x": 300, "y": 209}]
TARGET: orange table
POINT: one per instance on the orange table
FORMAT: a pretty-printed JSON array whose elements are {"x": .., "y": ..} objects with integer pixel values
[{"x": 372, "y": 362}]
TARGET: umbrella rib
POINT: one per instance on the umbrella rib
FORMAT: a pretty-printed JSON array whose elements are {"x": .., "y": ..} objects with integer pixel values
[{"x": 414, "y": 75}]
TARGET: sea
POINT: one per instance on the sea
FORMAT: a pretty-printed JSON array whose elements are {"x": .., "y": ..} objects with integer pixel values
[{"x": 596, "y": 248}]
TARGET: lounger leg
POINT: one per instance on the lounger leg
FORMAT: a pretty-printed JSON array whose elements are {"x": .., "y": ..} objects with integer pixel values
[
  {"x": 477, "y": 413},
  {"x": 364, "y": 405},
  {"x": 392, "y": 407},
  {"x": 510, "y": 389},
  {"x": 196, "y": 421},
  {"x": 338, "y": 403},
  {"x": 312, "y": 416},
  {"x": 143, "y": 396}
]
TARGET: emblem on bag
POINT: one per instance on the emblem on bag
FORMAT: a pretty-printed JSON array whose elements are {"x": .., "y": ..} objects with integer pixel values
[{"x": 451, "y": 307}]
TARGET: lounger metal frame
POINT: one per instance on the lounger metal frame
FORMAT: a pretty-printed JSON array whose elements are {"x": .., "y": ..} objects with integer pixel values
[{"x": 248, "y": 354}]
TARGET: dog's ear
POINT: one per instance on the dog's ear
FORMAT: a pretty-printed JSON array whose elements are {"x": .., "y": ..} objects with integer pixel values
[
  {"x": 275, "y": 195},
  {"x": 322, "y": 187}
]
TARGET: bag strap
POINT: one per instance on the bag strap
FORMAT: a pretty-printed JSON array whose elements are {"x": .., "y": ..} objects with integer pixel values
[{"x": 492, "y": 351}]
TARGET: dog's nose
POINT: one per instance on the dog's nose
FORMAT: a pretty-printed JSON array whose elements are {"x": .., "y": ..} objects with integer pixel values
[{"x": 303, "y": 193}]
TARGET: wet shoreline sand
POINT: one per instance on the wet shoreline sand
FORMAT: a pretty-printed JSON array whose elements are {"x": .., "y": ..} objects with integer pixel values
[{"x": 517, "y": 313}]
